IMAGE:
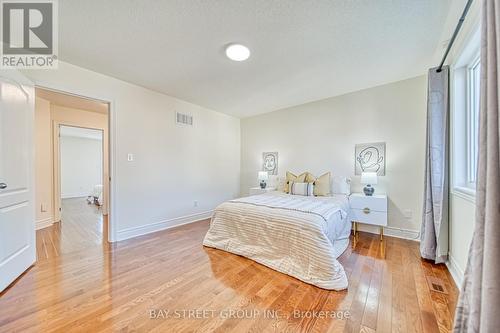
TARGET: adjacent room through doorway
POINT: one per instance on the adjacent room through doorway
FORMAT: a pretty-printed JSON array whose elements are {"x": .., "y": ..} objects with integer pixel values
[
  {"x": 72, "y": 172},
  {"x": 81, "y": 175}
]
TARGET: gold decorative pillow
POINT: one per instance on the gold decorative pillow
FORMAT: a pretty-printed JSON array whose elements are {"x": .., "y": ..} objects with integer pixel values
[
  {"x": 291, "y": 178},
  {"x": 310, "y": 178},
  {"x": 321, "y": 184}
]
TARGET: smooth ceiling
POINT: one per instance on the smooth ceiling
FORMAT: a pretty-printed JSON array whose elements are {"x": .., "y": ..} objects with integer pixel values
[{"x": 301, "y": 50}]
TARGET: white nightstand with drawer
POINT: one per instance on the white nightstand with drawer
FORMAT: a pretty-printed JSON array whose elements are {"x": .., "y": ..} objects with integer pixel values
[
  {"x": 258, "y": 190},
  {"x": 369, "y": 210}
]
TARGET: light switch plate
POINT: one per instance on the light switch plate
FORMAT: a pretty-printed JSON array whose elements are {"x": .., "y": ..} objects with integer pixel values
[{"x": 130, "y": 157}]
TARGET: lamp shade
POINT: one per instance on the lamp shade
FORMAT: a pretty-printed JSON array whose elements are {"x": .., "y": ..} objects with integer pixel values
[
  {"x": 263, "y": 175},
  {"x": 369, "y": 178}
]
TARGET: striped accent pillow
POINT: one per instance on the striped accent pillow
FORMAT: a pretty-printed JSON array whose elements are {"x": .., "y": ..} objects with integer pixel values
[{"x": 306, "y": 189}]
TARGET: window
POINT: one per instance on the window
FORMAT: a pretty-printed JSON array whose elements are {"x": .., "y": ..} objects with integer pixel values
[
  {"x": 464, "y": 98},
  {"x": 473, "y": 84}
]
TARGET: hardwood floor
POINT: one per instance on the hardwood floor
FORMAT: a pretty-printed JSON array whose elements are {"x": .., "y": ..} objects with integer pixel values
[
  {"x": 145, "y": 284},
  {"x": 81, "y": 227}
]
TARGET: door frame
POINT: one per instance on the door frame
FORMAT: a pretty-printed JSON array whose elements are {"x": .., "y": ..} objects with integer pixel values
[
  {"x": 56, "y": 130},
  {"x": 112, "y": 227}
]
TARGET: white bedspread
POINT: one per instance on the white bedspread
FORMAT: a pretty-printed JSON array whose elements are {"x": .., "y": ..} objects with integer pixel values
[{"x": 295, "y": 235}]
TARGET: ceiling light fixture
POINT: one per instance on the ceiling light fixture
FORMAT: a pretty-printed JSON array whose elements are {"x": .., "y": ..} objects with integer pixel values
[{"x": 237, "y": 52}]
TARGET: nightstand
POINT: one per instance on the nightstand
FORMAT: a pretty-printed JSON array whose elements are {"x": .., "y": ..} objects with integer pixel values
[
  {"x": 258, "y": 190},
  {"x": 369, "y": 210}
]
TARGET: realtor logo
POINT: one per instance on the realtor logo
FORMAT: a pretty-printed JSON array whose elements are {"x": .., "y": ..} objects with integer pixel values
[{"x": 29, "y": 34}]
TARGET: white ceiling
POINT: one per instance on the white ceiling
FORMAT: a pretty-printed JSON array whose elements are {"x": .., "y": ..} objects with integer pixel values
[
  {"x": 80, "y": 132},
  {"x": 301, "y": 50}
]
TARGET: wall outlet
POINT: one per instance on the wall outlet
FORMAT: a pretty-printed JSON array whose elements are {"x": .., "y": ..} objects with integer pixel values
[
  {"x": 130, "y": 157},
  {"x": 195, "y": 203},
  {"x": 408, "y": 214},
  {"x": 43, "y": 207}
]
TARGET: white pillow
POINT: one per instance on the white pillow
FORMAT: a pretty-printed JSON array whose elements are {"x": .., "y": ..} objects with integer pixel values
[{"x": 306, "y": 189}]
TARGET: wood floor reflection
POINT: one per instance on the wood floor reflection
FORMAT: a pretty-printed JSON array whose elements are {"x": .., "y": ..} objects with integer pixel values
[
  {"x": 163, "y": 282},
  {"x": 81, "y": 227}
]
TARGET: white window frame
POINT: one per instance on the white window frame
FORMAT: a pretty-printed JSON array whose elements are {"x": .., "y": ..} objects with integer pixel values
[
  {"x": 473, "y": 96},
  {"x": 462, "y": 175}
]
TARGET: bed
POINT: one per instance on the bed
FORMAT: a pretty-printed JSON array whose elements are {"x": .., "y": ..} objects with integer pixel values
[{"x": 296, "y": 235}]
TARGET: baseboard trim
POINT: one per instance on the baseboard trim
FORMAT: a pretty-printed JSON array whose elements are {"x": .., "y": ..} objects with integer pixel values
[
  {"x": 44, "y": 223},
  {"x": 162, "y": 225},
  {"x": 408, "y": 234},
  {"x": 456, "y": 272}
]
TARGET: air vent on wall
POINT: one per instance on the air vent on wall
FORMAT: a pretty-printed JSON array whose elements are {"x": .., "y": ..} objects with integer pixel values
[{"x": 184, "y": 119}]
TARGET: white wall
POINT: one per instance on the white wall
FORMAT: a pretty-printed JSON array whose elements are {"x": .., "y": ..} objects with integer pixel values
[
  {"x": 81, "y": 166},
  {"x": 320, "y": 136},
  {"x": 44, "y": 205},
  {"x": 462, "y": 211},
  {"x": 174, "y": 166}
]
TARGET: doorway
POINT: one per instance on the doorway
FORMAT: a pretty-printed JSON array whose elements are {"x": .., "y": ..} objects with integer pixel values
[
  {"x": 72, "y": 172},
  {"x": 81, "y": 178}
]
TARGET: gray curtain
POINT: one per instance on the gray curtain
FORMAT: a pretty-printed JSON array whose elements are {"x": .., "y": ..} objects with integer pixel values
[
  {"x": 434, "y": 229},
  {"x": 478, "y": 307}
]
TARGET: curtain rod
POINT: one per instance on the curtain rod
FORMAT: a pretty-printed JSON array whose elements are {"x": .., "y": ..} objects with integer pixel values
[{"x": 455, "y": 33}]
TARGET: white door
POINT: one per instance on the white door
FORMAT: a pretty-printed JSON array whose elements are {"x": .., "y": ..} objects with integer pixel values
[{"x": 17, "y": 222}]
